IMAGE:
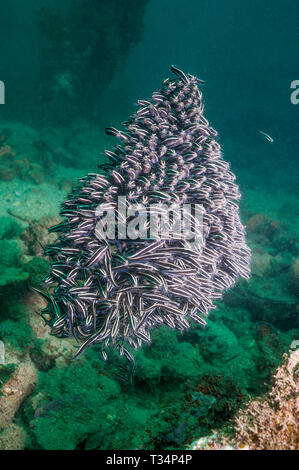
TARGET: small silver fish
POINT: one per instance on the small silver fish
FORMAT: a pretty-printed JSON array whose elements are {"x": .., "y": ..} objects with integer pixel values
[{"x": 267, "y": 136}]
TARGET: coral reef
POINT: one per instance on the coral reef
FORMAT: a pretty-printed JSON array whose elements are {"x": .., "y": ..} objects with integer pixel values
[{"x": 186, "y": 384}]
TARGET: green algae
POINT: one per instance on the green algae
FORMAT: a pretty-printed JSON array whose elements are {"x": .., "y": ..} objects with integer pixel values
[
  {"x": 16, "y": 332},
  {"x": 80, "y": 402},
  {"x": 37, "y": 269},
  {"x": 9, "y": 228},
  {"x": 185, "y": 385},
  {"x": 12, "y": 275},
  {"x": 180, "y": 389}
]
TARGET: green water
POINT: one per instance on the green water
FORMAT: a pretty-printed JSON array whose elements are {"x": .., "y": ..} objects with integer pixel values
[{"x": 71, "y": 71}]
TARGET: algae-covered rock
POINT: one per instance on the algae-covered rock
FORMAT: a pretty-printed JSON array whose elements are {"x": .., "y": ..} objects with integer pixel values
[
  {"x": 260, "y": 263},
  {"x": 12, "y": 438},
  {"x": 37, "y": 235},
  {"x": 148, "y": 371},
  {"x": 72, "y": 409},
  {"x": 45, "y": 352},
  {"x": 37, "y": 269},
  {"x": 6, "y": 370},
  {"x": 10, "y": 252},
  {"x": 260, "y": 223},
  {"x": 12, "y": 278},
  {"x": 16, "y": 332},
  {"x": 12, "y": 275},
  {"x": 9, "y": 228},
  {"x": 21, "y": 384}
]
